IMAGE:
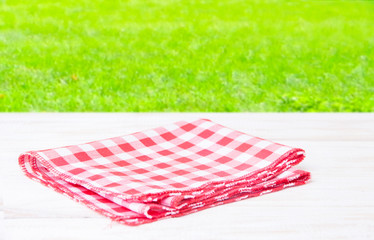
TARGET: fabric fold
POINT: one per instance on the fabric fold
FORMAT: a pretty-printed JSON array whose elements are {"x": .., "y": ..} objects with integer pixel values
[{"x": 168, "y": 171}]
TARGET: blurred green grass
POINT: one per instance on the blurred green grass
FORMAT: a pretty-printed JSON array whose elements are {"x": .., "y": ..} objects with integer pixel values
[{"x": 93, "y": 55}]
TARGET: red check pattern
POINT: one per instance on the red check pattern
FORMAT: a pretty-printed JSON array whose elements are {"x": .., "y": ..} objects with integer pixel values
[{"x": 166, "y": 172}]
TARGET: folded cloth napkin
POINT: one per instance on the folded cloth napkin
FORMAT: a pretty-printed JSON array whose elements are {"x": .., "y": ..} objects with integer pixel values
[{"x": 166, "y": 172}]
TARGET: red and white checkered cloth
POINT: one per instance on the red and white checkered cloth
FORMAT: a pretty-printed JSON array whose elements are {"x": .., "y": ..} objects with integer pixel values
[{"x": 166, "y": 172}]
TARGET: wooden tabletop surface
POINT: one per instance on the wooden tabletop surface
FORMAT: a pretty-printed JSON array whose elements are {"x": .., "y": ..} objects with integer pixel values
[{"x": 337, "y": 204}]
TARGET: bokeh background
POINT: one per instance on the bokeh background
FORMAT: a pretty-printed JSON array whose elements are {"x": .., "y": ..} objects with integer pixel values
[{"x": 174, "y": 55}]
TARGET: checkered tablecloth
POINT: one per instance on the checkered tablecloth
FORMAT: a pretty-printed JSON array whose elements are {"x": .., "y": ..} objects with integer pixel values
[{"x": 166, "y": 172}]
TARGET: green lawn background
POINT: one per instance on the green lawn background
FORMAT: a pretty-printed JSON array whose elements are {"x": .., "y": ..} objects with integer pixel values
[{"x": 91, "y": 55}]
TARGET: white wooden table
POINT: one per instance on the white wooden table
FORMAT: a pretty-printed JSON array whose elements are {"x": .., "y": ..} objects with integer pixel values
[{"x": 337, "y": 204}]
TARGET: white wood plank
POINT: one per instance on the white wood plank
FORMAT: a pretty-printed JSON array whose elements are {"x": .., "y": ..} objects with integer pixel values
[
  {"x": 337, "y": 204},
  {"x": 330, "y": 164},
  {"x": 2, "y": 225},
  {"x": 90, "y": 126},
  {"x": 259, "y": 223}
]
